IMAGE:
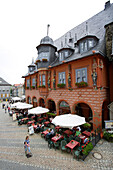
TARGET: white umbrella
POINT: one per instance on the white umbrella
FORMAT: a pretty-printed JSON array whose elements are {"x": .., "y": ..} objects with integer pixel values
[
  {"x": 20, "y": 105},
  {"x": 16, "y": 98},
  {"x": 14, "y": 105},
  {"x": 68, "y": 121},
  {"x": 24, "y": 106},
  {"x": 38, "y": 110}
]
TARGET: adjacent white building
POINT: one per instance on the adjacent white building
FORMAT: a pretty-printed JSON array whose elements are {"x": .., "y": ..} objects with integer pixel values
[{"x": 4, "y": 89}]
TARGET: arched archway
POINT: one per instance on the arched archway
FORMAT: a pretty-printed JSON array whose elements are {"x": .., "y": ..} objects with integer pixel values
[
  {"x": 51, "y": 105},
  {"x": 105, "y": 113},
  {"x": 34, "y": 101},
  {"x": 64, "y": 107},
  {"x": 29, "y": 100},
  {"x": 83, "y": 109},
  {"x": 41, "y": 102}
]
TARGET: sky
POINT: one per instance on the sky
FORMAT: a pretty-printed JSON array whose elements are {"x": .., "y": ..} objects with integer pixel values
[{"x": 23, "y": 23}]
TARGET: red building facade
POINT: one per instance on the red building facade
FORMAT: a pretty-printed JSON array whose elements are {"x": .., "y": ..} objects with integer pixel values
[{"x": 72, "y": 76}]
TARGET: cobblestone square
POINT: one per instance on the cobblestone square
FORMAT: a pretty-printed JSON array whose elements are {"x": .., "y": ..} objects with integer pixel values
[{"x": 12, "y": 151}]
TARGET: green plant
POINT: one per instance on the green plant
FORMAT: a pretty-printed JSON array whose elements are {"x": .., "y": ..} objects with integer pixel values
[
  {"x": 27, "y": 87},
  {"x": 81, "y": 84},
  {"x": 61, "y": 85},
  {"x": 39, "y": 86},
  {"x": 87, "y": 125},
  {"x": 51, "y": 114},
  {"x": 43, "y": 86},
  {"x": 87, "y": 149},
  {"x": 33, "y": 87},
  {"x": 108, "y": 136}
]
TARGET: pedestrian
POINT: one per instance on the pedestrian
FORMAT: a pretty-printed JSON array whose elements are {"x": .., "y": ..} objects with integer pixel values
[
  {"x": 5, "y": 109},
  {"x": 8, "y": 109},
  {"x": 27, "y": 147}
]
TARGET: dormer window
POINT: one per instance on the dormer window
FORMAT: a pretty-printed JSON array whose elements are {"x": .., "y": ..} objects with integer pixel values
[{"x": 86, "y": 43}]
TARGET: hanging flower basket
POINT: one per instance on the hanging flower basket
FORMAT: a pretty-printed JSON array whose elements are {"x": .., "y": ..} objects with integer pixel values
[
  {"x": 38, "y": 61},
  {"x": 81, "y": 84},
  {"x": 62, "y": 85},
  {"x": 44, "y": 60}
]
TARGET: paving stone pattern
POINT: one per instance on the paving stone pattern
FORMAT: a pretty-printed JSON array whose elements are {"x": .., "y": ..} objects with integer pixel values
[{"x": 12, "y": 155}]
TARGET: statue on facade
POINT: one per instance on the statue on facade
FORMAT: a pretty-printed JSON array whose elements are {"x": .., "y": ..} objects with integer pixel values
[
  {"x": 69, "y": 80},
  {"x": 48, "y": 82},
  {"x": 94, "y": 77}
]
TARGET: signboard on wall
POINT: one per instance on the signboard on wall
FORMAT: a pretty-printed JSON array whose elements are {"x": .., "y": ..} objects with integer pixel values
[{"x": 109, "y": 124}]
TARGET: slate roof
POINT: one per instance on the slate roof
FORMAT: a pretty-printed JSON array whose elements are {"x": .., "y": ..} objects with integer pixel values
[
  {"x": 4, "y": 83},
  {"x": 95, "y": 27}
]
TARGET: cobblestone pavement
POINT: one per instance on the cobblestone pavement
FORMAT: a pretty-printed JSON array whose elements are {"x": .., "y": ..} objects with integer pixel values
[{"x": 12, "y": 151}]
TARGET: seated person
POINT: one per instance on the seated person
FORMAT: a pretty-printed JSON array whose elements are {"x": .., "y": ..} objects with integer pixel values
[
  {"x": 50, "y": 134},
  {"x": 86, "y": 140},
  {"x": 37, "y": 129}
]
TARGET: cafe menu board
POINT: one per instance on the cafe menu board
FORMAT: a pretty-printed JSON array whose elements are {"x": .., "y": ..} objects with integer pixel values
[
  {"x": 31, "y": 130},
  {"x": 109, "y": 124},
  {"x": 14, "y": 116}
]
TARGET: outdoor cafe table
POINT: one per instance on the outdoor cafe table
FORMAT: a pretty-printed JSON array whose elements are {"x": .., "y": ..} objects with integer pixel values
[
  {"x": 26, "y": 118},
  {"x": 45, "y": 132},
  {"x": 72, "y": 144},
  {"x": 56, "y": 138},
  {"x": 46, "y": 123},
  {"x": 57, "y": 128},
  {"x": 30, "y": 122},
  {"x": 82, "y": 138},
  {"x": 68, "y": 132},
  {"x": 86, "y": 133},
  {"x": 40, "y": 119}
]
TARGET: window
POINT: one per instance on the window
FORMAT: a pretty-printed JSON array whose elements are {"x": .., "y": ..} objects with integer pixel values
[
  {"x": 28, "y": 83},
  {"x": 43, "y": 80},
  {"x": 81, "y": 75},
  {"x": 86, "y": 45},
  {"x": 39, "y": 80},
  {"x": 90, "y": 43},
  {"x": 61, "y": 57},
  {"x": 66, "y": 53},
  {"x": 62, "y": 77},
  {"x": 33, "y": 82}
]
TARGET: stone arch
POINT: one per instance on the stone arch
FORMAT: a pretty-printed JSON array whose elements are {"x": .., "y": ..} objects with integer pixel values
[
  {"x": 41, "y": 102},
  {"x": 105, "y": 112},
  {"x": 82, "y": 108},
  {"x": 51, "y": 105},
  {"x": 34, "y": 101},
  {"x": 63, "y": 107}
]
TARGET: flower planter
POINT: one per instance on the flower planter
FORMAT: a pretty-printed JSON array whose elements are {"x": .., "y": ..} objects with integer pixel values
[
  {"x": 62, "y": 85},
  {"x": 81, "y": 84}
]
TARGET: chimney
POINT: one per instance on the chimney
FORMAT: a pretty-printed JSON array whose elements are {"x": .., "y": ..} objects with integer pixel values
[{"x": 107, "y": 5}]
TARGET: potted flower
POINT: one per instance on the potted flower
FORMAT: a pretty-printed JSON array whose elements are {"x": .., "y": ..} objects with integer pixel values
[
  {"x": 81, "y": 84},
  {"x": 33, "y": 87},
  {"x": 61, "y": 85}
]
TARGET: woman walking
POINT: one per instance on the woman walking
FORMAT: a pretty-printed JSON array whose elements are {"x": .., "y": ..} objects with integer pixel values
[{"x": 27, "y": 147}]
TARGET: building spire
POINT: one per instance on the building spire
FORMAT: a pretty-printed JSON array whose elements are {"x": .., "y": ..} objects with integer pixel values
[{"x": 48, "y": 29}]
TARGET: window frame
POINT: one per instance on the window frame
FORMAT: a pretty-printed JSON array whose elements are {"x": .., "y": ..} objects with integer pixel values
[
  {"x": 43, "y": 79},
  {"x": 81, "y": 76},
  {"x": 62, "y": 78}
]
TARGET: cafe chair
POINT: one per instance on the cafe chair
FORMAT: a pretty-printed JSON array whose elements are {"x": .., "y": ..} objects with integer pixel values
[
  {"x": 50, "y": 143},
  {"x": 56, "y": 145},
  {"x": 77, "y": 139},
  {"x": 76, "y": 154},
  {"x": 63, "y": 144}
]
